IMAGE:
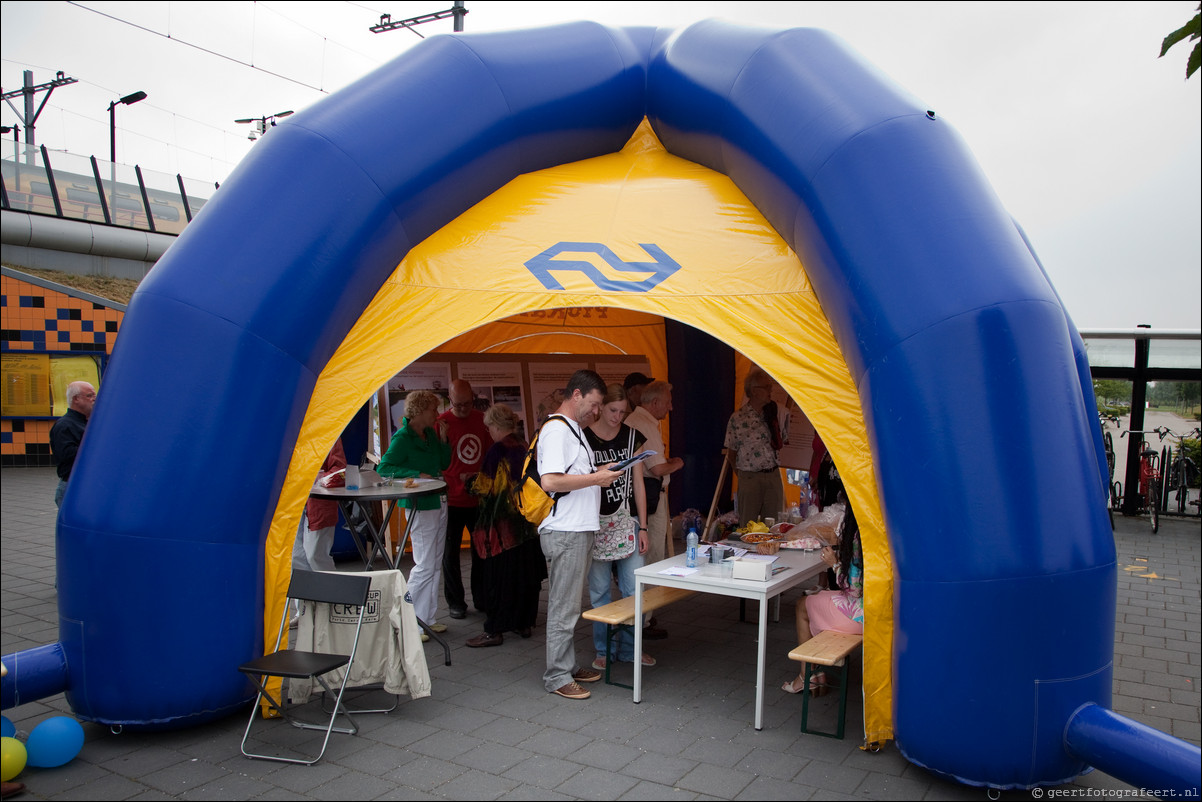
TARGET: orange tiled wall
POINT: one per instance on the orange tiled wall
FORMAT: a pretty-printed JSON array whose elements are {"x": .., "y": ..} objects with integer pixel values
[{"x": 40, "y": 319}]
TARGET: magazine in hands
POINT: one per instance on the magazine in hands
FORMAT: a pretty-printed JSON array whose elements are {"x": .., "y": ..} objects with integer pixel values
[{"x": 626, "y": 463}]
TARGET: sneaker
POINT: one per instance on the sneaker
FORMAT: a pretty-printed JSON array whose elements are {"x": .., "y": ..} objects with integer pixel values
[
  {"x": 440, "y": 628},
  {"x": 599, "y": 664},
  {"x": 572, "y": 691},
  {"x": 586, "y": 675}
]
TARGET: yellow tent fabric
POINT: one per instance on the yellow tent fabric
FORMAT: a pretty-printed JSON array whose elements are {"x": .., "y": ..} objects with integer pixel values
[
  {"x": 575, "y": 330},
  {"x": 737, "y": 280}
]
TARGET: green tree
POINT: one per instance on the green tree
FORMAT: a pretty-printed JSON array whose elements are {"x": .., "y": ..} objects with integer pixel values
[
  {"x": 1111, "y": 392},
  {"x": 1188, "y": 394},
  {"x": 1192, "y": 29}
]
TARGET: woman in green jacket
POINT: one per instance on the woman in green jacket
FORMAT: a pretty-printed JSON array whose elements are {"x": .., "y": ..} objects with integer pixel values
[{"x": 419, "y": 449}]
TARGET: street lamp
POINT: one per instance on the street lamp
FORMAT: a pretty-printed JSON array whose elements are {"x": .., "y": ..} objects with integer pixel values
[
  {"x": 128, "y": 100},
  {"x": 259, "y": 124}
]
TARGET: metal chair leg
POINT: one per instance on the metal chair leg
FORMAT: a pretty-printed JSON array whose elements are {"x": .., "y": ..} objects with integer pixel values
[{"x": 329, "y": 728}]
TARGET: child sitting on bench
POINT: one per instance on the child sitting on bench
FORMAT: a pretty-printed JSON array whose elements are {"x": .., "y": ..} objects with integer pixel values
[{"x": 841, "y": 610}]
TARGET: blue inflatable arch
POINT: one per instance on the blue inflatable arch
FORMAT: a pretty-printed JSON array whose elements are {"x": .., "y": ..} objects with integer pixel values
[{"x": 972, "y": 378}]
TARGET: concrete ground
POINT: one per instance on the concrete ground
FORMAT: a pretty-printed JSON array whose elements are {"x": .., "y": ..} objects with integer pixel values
[{"x": 489, "y": 731}]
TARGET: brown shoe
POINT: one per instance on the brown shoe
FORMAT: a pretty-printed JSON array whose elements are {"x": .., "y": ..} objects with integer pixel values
[
  {"x": 486, "y": 639},
  {"x": 572, "y": 691},
  {"x": 586, "y": 675}
]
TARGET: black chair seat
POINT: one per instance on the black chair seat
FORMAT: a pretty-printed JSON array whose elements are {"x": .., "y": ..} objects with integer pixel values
[{"x": 295, "y": 664}]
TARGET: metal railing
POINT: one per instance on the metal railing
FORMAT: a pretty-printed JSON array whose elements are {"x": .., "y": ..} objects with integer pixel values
[
  {"x": 1142, "y": 355},
  {"x": 97, "y": 191}
]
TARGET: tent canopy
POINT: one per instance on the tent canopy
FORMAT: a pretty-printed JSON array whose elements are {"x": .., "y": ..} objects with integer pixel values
[{"x": 970, "y": 377}]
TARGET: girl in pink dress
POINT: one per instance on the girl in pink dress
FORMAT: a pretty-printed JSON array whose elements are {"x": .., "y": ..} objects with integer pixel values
[{"x": 841, "y": 610}]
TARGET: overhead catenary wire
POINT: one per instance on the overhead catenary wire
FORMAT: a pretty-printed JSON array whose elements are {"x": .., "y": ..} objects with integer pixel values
[
  {"x": 209, "y": 51},
  {"x": 58, "y": 113},
  {"x": 271, "y": 28}
]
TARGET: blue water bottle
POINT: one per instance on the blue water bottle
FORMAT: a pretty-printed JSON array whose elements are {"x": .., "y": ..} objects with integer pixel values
[{"x": 690, "y": 551}]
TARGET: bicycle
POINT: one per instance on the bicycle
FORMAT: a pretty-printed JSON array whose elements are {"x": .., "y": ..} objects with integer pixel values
[
  {"x": 1115, "y": 489},
  {"x": 1182, "y": 467},
  {"x": 1149, "y": 479}
]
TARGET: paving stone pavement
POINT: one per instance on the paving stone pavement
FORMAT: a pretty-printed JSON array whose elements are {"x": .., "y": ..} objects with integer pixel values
[{"x": 489, "y": 731}]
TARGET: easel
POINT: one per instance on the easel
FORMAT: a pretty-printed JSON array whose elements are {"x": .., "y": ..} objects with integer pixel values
[{"x": 709, "y": 518}]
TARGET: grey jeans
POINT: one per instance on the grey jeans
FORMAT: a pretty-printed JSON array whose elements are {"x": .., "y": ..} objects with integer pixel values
[{"x": 568, "y": 555}]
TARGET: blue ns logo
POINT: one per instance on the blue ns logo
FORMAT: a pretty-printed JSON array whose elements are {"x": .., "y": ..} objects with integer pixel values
[{"x": 663, "y": 266}]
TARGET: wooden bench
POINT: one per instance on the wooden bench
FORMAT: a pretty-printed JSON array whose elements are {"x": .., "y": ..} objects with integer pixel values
[
  {"x": 618, "y": 616},
  {"x": 827, "y": 648}
]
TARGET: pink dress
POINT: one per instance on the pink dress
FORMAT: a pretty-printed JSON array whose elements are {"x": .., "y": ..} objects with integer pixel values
[{"x": 841, "y": 610}]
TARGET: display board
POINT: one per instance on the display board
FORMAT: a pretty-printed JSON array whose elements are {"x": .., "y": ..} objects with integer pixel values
[
  {"x": 799, "y": 450},
  {"x": 35, "y": 384},
  {"x": 530, "y": 384}
]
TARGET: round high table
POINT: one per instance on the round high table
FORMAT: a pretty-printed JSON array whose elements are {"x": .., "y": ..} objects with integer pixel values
[{"x": 368, "y": 530}]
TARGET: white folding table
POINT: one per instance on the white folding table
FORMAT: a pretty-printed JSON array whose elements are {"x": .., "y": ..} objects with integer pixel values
[{"x": 799, "y": 566}]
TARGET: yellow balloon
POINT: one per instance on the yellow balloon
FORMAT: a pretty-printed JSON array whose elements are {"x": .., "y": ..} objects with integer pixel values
[{"x": 12, "y": 758}]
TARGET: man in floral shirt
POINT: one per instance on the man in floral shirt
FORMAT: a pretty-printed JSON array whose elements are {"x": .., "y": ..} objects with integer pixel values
[{"x": 751, "y": 444}]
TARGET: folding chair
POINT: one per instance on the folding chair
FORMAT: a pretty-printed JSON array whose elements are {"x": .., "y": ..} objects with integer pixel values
[{"x": 313, "y": 586}]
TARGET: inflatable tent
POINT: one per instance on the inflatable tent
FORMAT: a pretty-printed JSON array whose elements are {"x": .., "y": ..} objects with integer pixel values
[
  {"x": 861, "y": 259},
  {"x": 622, "y": 208}
]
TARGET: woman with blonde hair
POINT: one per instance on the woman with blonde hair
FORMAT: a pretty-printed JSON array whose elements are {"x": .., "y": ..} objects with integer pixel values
[
  {"x": 621, "y": 542},
  {"x": 419, "y": 449}
]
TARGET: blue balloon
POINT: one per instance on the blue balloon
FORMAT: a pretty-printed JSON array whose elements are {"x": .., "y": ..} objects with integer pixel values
[
  {"x": 54, "y": 742},
  {"x": 7, "y": 728}
]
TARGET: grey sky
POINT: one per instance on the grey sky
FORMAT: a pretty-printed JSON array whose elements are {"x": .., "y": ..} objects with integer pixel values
[{"x": 1091, "y": 142}]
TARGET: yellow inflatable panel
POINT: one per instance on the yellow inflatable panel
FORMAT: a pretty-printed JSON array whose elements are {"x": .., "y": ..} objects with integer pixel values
[{"x": 641, "y": 231}]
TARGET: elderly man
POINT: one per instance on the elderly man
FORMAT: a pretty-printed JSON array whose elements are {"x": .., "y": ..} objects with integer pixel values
[
  {"x": 469, "y": 439},
  {"x": 67, "y": 433},
  {"x": 655, "y": 405},
  {"x": 753, "y": 438},
  {"x": 566, "y": 464},
  {"x": 633, "y": 385}
]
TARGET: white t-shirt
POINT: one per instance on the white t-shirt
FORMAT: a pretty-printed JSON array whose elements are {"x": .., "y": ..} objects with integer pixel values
[
  {"x": 648, "y": 427},
  {"x": 562, "y": 450}
]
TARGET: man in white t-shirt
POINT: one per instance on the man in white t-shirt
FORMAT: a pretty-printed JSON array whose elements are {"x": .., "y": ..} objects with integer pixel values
[{"x": 566, "y": 466}]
